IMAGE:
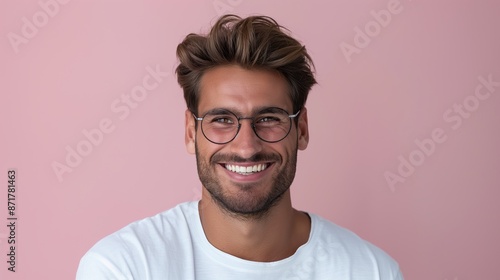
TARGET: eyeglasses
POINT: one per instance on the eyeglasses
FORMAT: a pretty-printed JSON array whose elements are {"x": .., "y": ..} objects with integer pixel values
[{"x": 220, "y": 126}]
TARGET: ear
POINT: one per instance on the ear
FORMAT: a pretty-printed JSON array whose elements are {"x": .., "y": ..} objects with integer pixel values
[
  {"x": 303, "y": 130},
  {"x": 190, "y": 135}
]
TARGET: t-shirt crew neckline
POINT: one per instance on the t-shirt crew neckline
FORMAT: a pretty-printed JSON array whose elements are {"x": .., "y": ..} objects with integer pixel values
[{"x": 229, "y": 260}]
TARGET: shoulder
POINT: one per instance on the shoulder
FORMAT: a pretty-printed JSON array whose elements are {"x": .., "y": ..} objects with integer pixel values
[
  {"x": 162, "y": 226},
  {"x": 350, "y": 249},
  {"x": 125, "y": 251}
]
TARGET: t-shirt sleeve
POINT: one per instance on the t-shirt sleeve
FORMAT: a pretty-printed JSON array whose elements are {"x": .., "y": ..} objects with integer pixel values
[
  {"x": 386, "y": 266},
  {"x": 399, "y": 276},
  {"x": 96, "y": 267}
]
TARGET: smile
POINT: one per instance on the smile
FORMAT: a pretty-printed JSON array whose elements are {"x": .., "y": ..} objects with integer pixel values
[{"x": 246, "y": 170}]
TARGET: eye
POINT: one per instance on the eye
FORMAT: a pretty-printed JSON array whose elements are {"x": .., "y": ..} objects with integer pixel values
[
  {"x": 222, "y": 120},
  {"x": 268, "y": 120}
]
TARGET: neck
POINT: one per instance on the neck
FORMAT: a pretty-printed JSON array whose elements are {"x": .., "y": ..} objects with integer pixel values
[{"x": 271, "y": 237}]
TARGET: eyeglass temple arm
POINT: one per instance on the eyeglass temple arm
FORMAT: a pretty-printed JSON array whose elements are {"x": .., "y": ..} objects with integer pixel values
[
  {"x": 294, "y": 115},
  {"x": 197, "y": 118}
]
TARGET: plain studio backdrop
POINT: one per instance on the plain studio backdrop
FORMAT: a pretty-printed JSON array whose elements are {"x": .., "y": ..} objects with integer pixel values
[{"x": 404, "y": 125}]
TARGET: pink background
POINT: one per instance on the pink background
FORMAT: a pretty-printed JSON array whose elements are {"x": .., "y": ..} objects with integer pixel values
[{"x": 440, "y": 223}]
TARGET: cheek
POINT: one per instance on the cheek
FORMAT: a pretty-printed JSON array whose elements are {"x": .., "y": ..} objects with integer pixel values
[
  {"x": 205, "y": 151},
  {"x": 284, "y": 150},
  {"x": 291, "y": 142}
]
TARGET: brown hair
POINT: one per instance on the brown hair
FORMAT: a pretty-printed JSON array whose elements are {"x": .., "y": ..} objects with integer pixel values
[{"x": 253, "y": 42}]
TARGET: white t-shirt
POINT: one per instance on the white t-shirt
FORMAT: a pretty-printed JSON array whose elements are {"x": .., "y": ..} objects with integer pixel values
[{"x": 172, "y": 245}]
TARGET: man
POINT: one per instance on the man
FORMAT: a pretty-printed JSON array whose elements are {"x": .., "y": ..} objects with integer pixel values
[{"x": 245, "y": 85}]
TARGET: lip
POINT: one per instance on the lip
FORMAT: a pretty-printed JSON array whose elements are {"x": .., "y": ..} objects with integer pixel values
[{"x": 236, "y": 177}]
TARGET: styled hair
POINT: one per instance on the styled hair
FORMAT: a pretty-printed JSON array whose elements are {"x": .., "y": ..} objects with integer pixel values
[{"x": 255, "y": 42}]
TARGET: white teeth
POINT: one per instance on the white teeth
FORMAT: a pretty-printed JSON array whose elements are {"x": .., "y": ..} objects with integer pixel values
[{"x": 246, "y": 170}]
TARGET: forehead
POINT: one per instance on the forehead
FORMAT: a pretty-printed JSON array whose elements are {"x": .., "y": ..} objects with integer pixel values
[{"x": 242, "y": 90}]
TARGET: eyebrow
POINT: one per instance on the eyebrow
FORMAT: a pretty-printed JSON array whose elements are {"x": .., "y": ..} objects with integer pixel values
[
  {"x": 258, "y": 110},
  {"x": 271, "y": 110},
  {"x": 218, "y": 111}
]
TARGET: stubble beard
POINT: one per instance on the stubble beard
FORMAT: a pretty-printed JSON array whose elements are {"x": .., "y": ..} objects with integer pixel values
[{"x": 248, "y": 203}]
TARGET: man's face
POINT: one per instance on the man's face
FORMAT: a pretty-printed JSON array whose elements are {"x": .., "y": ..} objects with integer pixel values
[{"x": 245, "y": 92}]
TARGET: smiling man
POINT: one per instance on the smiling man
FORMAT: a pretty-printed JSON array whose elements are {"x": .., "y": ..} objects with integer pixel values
[{"x": 246, "y": 85}]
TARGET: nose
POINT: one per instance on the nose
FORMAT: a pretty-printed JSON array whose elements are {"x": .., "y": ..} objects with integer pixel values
[{"x": 246, "y": 144}]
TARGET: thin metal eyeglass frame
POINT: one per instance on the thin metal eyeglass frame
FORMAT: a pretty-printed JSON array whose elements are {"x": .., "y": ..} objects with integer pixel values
[{"x": 239, "y": 127}]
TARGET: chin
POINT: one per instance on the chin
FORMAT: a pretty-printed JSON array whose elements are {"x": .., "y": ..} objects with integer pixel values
[{"x": 244, "y": 204}]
